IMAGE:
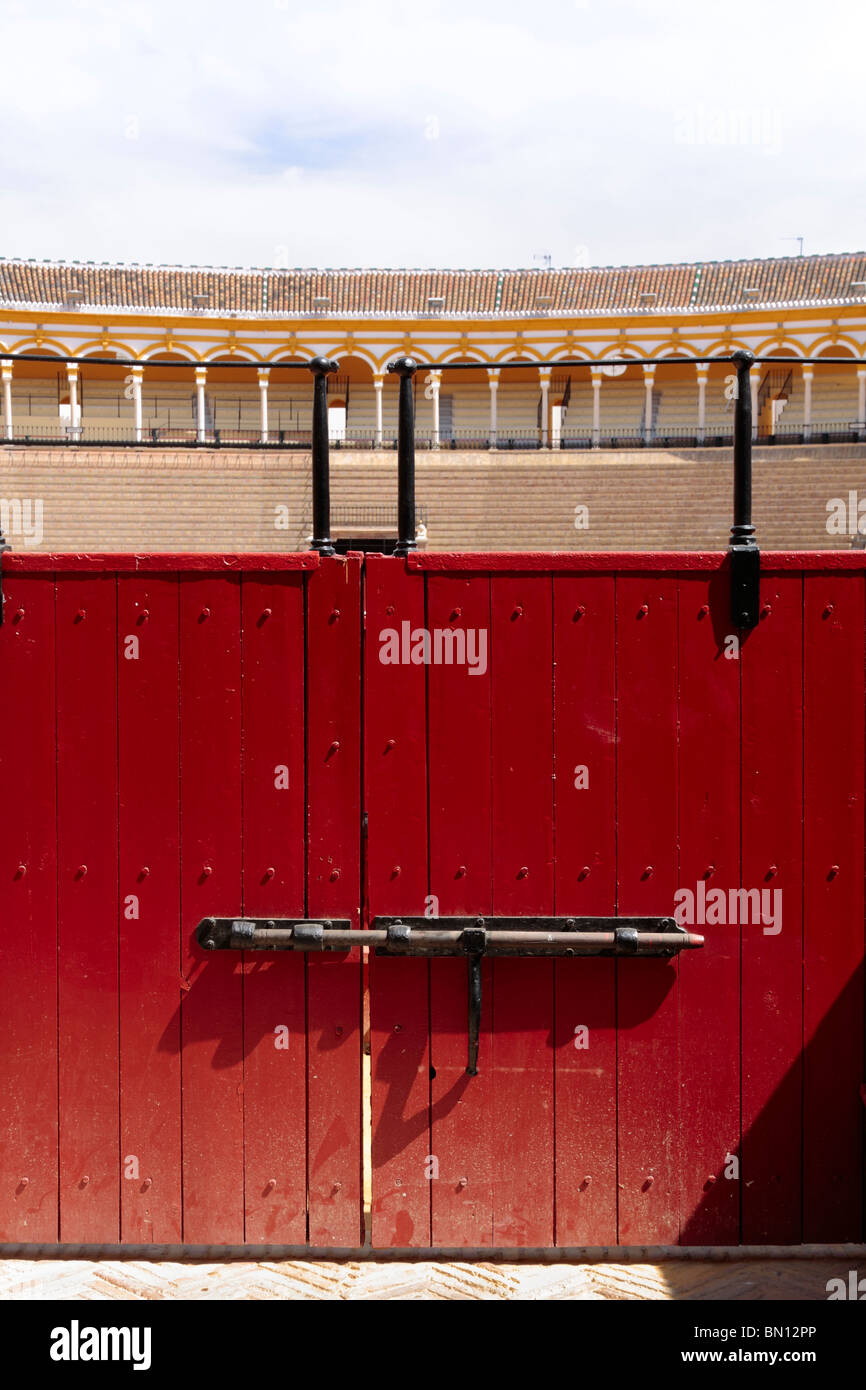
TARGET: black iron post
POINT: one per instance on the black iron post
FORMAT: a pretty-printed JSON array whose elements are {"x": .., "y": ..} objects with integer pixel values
[
  {"x": 743, "y": 548},
  {"x": 321, "y": 541},
  {"x": 405, "y": 367},
  {"x": 4, "y": 546}
]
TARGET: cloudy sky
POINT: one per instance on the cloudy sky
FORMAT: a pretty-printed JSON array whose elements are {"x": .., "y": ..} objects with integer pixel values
[{"x": 459, "y": 133}]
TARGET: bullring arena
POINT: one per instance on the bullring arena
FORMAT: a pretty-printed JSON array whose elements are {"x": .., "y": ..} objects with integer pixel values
[{"x": 150, "y": 407}]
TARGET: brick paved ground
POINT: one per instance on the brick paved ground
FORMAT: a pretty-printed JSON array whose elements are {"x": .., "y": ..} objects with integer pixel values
[{"x": 740, "y": 1280}]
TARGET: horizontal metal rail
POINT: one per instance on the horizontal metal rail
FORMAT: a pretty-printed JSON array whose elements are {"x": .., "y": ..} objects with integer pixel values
[
  {"x": 247, "y": 364},
  {"x": 572, "y": 439}
]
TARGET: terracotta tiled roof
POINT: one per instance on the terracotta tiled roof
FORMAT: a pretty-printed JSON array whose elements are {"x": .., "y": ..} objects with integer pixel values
[
  {"x": 128, "y": 287},
  {"x": 435, "y": 293},
  {"x": 401, "y": 292}
]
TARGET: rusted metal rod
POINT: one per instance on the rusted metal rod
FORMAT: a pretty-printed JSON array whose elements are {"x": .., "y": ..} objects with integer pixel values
[{"x": 315, "y": 936}]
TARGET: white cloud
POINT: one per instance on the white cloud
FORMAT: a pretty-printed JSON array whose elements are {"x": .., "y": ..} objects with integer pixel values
[{"x": 453, "y": 133}]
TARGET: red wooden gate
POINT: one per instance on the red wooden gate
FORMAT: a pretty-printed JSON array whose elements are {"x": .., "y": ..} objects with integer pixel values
[
  {"x": 190, "y": 736},
  {"x": 620, "y": 746},
  {"x": 181, "y": 736}
]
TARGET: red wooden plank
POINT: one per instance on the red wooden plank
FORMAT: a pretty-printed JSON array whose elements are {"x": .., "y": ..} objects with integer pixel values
[
  {"x": 626, "y": 562},
  {"x": 275, "y": 1082},
  {"x": 28, "y": 910},
  {"x": 585, "y": 734},
  {"x": 88, "y": 930},
  {"x": 396, "y": 800},
  {"x": 709, "y": 980},
  {"x": 771, "y": 665},
  {"x": 211, "y": 1013},
  {"x": 648, "y": 1058},
  {"x": 149, "y": 879},
  {"x": 834, "y": 697},
  {"x": 160, "y": 562},
  {"x": 334, "y": 889},
  {"x": 547, "y": 562},
  {"x": 522, "y": 1003},
  {"x": 460, "y": 880}
]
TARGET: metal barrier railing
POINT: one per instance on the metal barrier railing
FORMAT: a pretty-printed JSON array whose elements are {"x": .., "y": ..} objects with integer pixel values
[
  {"x": 745, "y": 560},
  {"x": 504, "y": 440}
]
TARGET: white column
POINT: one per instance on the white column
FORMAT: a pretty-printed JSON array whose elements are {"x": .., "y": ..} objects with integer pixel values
[
  {"x": 648, "y": 378},
  {"x": 378, "y": 386},
  {"x": 6, "y": 372},
  {"x": 493, "y": 383},
  {"x": 264, "y": 376},
  {"x": 703, "y": 373},
  {"x": 595, "y": 374},
  {"x": 544, "y": 379},
  {"x": 435, "y": 383},
  {"x": 201, "y": 422},
  {"x": 754, "y": 382},
  {"x": 72, "y": 378},
  {"x": 808, "y": 374},
  {"x": 137, "y": 376},
  {"x": 861, "y": 401}
]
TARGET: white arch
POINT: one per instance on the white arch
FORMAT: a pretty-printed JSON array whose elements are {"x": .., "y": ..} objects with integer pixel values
[
  {"x": 225, "y": 354},
  {"x": 340, "y": 352},
  {"x": 462, "y": 353},
  {"x": 182, "y": 350}
]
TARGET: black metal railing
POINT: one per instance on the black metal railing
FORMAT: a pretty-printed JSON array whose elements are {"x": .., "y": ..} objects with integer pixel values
[
  {"x": 463, "y": 440},
  {"x": 743, "y": 552}
]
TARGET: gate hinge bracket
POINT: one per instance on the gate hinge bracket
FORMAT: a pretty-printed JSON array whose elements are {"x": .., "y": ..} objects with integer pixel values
[{"x": 745, "y": 585}]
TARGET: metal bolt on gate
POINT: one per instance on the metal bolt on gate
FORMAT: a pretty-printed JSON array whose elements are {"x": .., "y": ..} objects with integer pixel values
[{"x": 472, "y": 937}]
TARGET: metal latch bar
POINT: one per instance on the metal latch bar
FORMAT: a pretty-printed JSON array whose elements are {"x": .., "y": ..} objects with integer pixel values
[
  {"x": 472, "y": 937},
  {"x": 278, "y": 934}
]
